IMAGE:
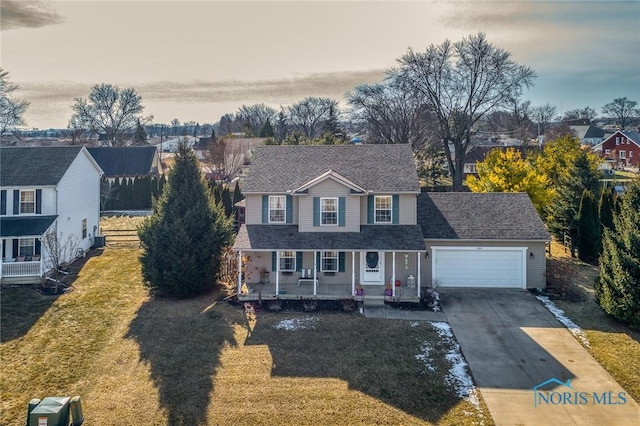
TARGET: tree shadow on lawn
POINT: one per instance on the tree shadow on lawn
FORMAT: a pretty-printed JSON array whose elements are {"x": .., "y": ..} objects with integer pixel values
[
  {"x": 182, "y": 341},
  {"x": 23, "y": 305},
  {"x": 374, "y": 356}
]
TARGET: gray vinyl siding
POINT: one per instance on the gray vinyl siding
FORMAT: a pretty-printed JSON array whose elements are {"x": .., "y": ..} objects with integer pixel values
[
  {"x": 329, "y": 188},
  {"x": 536, "y": 267},
  {"x": 407, "y": 210},
  {"x": 253, "y": 209}
]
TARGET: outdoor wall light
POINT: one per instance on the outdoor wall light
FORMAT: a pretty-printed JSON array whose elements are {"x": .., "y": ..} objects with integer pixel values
[
  {"x": 426, "y": 255},
  {"x": 531, "y": 256}
]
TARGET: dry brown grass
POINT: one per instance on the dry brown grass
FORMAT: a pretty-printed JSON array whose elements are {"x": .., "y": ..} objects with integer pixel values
[
  {"x": 136, "y": 360},
  {"x": 613, "y": 344}
]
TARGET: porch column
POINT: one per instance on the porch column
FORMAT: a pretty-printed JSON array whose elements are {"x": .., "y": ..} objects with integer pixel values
[
  {"x": 393, "y": 273},
  {"x": 315, "y": 273},
  {"x": 418, "y": 275},
  {"x": 277, "y": 272},
  {"x": 239, "y": 272},
  {"x": 353, "y": 272}
]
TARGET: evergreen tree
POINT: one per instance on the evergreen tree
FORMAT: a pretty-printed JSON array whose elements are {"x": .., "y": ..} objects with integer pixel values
[
  {"x": 140, "y": 135},
  {"x": 606, "y": 207},
  {"x": 563, "y": 208},
  {"x": 237, "y": 194},
  {"x": 183, "y": 238},
  {"x": 282, "y": 125},
  {"x": 267, "y": 129},
  {"x": 618, "y": 286},
  {"x": 116, "y": 188},
  {"x": 226, "y": 201},
  {"x": 588, "y": 228}
]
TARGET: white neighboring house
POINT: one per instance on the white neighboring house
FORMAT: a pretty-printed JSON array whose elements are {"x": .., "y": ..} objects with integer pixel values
[{"x": 45, "y": 190}]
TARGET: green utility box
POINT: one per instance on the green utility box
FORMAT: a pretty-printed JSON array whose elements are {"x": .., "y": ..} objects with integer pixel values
[{"x": 51, "y": 411}]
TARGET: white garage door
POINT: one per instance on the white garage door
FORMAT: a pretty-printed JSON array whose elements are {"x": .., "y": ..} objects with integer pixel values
[{"x": 479, "y": 267}]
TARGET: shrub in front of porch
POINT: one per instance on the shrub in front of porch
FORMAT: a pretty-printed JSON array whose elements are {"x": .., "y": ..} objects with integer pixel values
[{"x": 183, "y": 238}]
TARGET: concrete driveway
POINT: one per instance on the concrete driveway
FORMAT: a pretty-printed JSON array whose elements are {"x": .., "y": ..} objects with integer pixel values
[{"x": 513, "y": 344}]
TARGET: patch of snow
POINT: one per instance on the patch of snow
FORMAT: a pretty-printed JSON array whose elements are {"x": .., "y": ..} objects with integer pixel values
[
  {"x": 423, "y": 356},
  {"x": 436, "y": 301},
  {"x": 560, "y": 316},
  {"x": 458, "y": 376},
  {"x": 297, "y": 324},
  {"x": 414, "y": 324}
]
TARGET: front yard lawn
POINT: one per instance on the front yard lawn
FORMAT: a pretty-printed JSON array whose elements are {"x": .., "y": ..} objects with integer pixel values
[
  {"x": 613, "y": 344},
  {"x": 136, "y": 360}
]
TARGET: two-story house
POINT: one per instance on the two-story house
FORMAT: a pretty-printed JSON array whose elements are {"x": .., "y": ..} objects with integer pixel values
[
  {"x": 622, "y": 148},
  {"x": 45, "y": 191},
  {"x": 331, "y": 222}
]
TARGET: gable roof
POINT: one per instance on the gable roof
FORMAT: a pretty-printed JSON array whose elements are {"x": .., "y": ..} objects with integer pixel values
[
  {"x": 378, "y": 168},
  {"x": 479, "y": 216},
  {"x": 330, "y": 174},
  {"x": 632, "y": 135},
  {"x": 124, "y": 161},
  {"x": 30, "y": 166}
]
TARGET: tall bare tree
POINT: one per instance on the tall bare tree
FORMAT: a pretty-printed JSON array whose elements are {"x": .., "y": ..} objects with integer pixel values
[
  {"x": 11, "y": 109},
  {"x": 543, "y": 115},
  {"x": 586, "y": 113},
  {"x": 109, "y": 110},
  {"x": 392, "y": 111},
  {"x": 622, "y": 110},
  {"x": 461, "y": 82},
  {"x": 309, "y": 115},
  {"x": 255, "y": 116}
]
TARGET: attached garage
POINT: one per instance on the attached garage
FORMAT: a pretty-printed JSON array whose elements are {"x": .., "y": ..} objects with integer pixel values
[
  {"x": 486, "y": 240},
  {"x": 494, "y": 267}
]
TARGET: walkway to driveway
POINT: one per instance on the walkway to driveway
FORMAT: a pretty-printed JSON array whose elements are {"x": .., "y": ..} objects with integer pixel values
[{"x": 512, "y": 344}]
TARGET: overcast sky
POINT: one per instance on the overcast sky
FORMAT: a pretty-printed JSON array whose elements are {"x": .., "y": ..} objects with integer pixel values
[{"x": 198, "y": 60}]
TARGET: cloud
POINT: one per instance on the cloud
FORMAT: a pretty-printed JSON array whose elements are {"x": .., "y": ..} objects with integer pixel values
[
  {"x": 200, "y": 100},
  {"x": 27, "y": 14}
]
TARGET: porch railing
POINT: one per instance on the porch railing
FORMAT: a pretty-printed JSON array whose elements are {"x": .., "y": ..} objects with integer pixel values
[{"x": 21, "y": 269}]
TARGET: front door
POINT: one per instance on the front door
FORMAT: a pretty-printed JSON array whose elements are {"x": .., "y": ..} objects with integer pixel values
[{"x": 372, "y": 267}]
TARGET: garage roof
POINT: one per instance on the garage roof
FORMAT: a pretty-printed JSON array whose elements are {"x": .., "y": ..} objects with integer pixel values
[{"x": 479, "y": 216}]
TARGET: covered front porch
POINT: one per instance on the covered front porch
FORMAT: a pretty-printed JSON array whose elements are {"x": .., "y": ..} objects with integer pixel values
[
  {"x": 378, "y": 263},
  {"x": 22, "y": 252}
]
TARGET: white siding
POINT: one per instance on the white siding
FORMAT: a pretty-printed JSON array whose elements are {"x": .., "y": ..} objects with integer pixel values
[
  {"x": 48, "y": 199},
  {"x": 535, "y": 267},
  {"x": 79, "y": 198}
]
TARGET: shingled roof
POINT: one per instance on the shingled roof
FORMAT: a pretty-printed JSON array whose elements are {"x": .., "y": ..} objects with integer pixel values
[
  {"x": 31, "y": 166},
  {"x": 124, "y": 161},
  {"x": 378, "y": 168},
  {"x": 17, "y": 226},
  {"x": 370, "y": 237},
  {"x": 479, "y": 216}
]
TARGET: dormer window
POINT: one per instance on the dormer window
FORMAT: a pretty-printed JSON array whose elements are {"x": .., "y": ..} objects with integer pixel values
[
  {"x": 27, "y": 202},
  {"x": 329, "y": 211},
  {"x": 383, "y": 209},
  {"x": 277, "y": 204}
]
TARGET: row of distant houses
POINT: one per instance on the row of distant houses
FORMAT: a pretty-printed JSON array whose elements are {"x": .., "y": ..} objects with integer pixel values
[{"x": 619, "y": 150}]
